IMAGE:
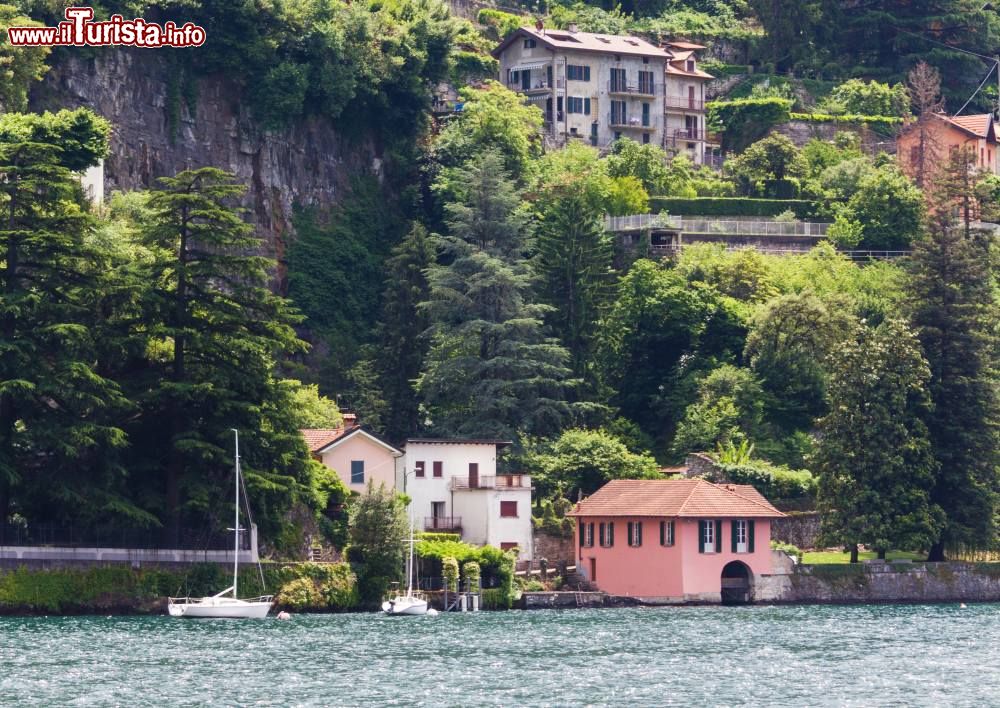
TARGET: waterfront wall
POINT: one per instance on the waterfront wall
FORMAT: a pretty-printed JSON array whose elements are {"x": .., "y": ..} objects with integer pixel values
[
  {"x": 799, "y": 528},
  {"x": 877, "y": 582}
]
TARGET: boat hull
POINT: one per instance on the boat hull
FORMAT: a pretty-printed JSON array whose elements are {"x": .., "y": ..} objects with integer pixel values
[
  {"x": 405, "y": 606},
  {"x": 211, "y": 608}
]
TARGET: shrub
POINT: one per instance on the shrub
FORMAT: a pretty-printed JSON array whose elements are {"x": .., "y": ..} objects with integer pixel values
[
  {"x": 300, "y": 594},
  {"x": 772, "y": 481},
  {"x": 496, "y": 599},
  {"x": 449, "y": 571},
  {"x": 533, "y": 586},
  {"x": 794, "y": 551},
  {"x": 470, "y": 572}
]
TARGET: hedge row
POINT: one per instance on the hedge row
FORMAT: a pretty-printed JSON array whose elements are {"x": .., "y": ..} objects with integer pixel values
[
  {"x": 887, "y": 122},
  {"x": 733, "y": 206},
  {"x": 121, "y": 589}
]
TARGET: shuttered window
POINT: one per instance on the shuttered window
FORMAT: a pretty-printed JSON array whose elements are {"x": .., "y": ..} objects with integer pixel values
[
  {"x": 635, "y": 533},
  {"x": 437, "y": 469},
  {"x": 508, "y": 508},
  {"x": 577, "y": 73},
  {"x": 608, "y": 534},
  {"x": 666, "y": 533},
  {"x": 590, "y": 535},
  {"x": 418, "y": 468},
  {"x": 357, "y": 471},
  {"x": 578, "y": 104},
  {"x": 708, "y": 534}
]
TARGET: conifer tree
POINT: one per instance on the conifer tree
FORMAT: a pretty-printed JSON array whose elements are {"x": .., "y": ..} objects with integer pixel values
[
  {"x": 54, "y": 405},
  {"x": 401, "y": 346},
  {"x": 954, "y": 312},
  {"x": 214, "y": 331},
  {"x": 574, "y": 268},
  {"x": 873, "y": 456},
  {"x": 491, "y": 371}
]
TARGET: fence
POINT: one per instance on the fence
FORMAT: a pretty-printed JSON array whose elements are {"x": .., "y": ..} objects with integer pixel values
[
  {"x": 70, "y": 536},
  {"x": 641, "y": 222}
]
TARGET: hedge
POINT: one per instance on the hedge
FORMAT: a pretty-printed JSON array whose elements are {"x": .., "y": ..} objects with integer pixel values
[
  {"x": 121, "y": 589},
  {"x": 885, "y": 122},
  {"x": 733, "y": 206}
]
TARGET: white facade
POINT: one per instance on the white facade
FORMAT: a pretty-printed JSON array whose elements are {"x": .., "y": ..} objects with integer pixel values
[{"x": 454, "y": 488}]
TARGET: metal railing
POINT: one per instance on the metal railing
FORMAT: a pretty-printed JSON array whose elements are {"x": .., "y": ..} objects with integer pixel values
[
  {"x": 683, "y": 102},
  {"x": 502, "y": 481},
  {"x": 795, "y": 250},
  {"x": 746, "y": 227},
  {"x": 69, "y": 536},
  {"x": 442, "y": 523},
  {"x": 621, "y": 120},
  {"x": 630, "y": 89},
  {"x": 641, "y": 222}
]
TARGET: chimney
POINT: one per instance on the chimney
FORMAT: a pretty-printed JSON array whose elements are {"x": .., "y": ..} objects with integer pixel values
[
  {"x": 571, "y": 28},
  {"x": 350, "y": 420}
]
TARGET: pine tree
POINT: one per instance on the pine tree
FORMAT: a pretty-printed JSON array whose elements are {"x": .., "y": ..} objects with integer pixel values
[
  {"x": 214, "y": 331},
  {"x": 574, "y": 269},
  {"x": 491, "y": 371},
  {"x": 955, "y": 315},
  {"x": 401, "y": 347},
  {"x": 873, "y": 456},
  {"x": 54, "y": 405}
]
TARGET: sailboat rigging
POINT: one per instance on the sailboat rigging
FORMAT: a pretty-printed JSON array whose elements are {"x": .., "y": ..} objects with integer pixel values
[{"x": 218, "y": 605}]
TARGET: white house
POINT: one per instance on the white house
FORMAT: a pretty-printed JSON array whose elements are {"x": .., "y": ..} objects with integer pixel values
[{"x": 455, "y": 488}]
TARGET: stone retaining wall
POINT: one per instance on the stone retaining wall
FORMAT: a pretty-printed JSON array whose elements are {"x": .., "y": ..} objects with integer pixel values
[
  {"x": 880, "y": 582},
  {"x": 800, "y": 528}
]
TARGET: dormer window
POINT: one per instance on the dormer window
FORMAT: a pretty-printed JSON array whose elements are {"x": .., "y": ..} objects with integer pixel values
[{"x": 690, "y": 65}]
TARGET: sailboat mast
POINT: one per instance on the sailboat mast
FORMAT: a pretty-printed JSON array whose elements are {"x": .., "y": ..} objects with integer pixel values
[
  {"x": 409, "y": 572},
  {"x": 236, "y": 527}
]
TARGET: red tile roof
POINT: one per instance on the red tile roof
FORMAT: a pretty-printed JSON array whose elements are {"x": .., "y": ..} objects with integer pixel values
[
  {"x": 675, "y": 497},
  {"x": 977, "y": 124},
  {"x": 318, "y": 438},
  {"x": 586, "y": 41}
]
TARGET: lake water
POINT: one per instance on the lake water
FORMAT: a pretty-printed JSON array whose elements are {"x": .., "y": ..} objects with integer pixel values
[{"x": 862, "y": 656}]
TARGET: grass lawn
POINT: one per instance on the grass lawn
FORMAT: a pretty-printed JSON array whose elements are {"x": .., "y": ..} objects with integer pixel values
[{"x": 823, "y": 557}]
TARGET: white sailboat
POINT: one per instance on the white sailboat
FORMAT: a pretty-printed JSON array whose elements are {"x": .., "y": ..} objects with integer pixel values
[
  {"x": 408, "y": 604},
  {"x": 218, "y": 605}
]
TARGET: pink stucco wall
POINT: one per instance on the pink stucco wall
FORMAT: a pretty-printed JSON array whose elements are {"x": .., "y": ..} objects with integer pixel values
[
  {"x": 677, "y": 572},
  {"x": 380, "y": 464}
]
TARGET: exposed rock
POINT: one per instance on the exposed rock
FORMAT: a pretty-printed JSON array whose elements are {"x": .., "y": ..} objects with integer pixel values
[{"x": 307, "y": 164}]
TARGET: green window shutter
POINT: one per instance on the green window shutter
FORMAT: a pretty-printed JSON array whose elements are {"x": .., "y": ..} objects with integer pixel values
[
  {"x": 630, "y": 538},
  {"x": 583, "y": 531},
  {"x": 750, "y": 535},
  {"x": 638, "y": 529},
  {"x": 732, "y": 525},
  {"x": 600, "y": 537},
  {"x": 718, "y": 535},
  {"x": 663, "y": 533},
  {"x": 611, "y": 533},
  {"x": 701, "y": 535}
]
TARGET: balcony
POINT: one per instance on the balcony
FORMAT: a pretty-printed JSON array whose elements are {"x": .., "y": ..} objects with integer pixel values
[
  {"x": 502, "y": 481},
  {"x": 684, "y": 103},
  {"x": 686, "y": 136},
  {"x": 536, "y": 86},
  {"x": 619, "y": 121},
  {"x": 646, "y": 89},
  {"x": 446, "y": 524}
]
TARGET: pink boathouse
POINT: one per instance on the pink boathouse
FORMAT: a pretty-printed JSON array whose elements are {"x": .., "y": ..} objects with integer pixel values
[{"x": 673, "y": 541}]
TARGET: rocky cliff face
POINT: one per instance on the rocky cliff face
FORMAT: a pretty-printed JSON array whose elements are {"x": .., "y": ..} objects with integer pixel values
[{"x": 308, "y": 164}]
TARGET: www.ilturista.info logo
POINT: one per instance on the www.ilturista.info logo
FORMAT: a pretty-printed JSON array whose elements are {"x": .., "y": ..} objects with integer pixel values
[{"x": 79, "y": 30}]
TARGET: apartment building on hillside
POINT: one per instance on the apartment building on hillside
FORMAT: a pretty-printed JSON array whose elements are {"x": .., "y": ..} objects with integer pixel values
[{"x": 600, "y": 88}]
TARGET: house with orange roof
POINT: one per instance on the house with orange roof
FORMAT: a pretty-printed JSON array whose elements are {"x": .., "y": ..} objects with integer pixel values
[
  {"x": 675, "y": 540},
  {"x": 357, "y": 455},
  {"x": 948, "y": 134},
  {"x": 604, "y": 87}
]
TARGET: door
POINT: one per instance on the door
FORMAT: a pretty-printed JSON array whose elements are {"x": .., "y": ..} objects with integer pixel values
[
  {"x": 692, "y": 102},
  {"x": 691, "y": 126},
  {"x": 645, "y": 116},
  {"x": 474, "y": 475},
  {"x": 437, "y": 513},
  {"x": 525, "y": 79},
  {"x": 593, "y": 570}
]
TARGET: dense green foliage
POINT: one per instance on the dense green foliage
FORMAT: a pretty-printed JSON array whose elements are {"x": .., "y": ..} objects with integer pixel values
[
  {"x": 747, "y": 120},
  {"x": 378, "y": 529},
  {"x": 732, "y": 206}
]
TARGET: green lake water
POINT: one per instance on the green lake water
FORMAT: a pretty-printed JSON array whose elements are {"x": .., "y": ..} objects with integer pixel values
[{"x": 815, "y": 655}]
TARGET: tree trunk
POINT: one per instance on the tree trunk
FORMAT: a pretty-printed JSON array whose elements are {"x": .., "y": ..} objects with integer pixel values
[
  {"x": 854, "y": 553},
  {"x": 936, "y": 554}
]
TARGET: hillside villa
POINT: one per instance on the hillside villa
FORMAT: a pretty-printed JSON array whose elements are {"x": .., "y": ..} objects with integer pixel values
[
  {"x": 601, "y": 87},
  {"x": 673, "y": 541}
]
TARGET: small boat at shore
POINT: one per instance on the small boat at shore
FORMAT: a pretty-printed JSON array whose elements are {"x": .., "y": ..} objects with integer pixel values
[
  {"x": 410, "y": 603},
  {"x": 219, "y": 606}
]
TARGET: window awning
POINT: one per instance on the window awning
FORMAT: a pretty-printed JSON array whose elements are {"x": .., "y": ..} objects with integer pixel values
[
  {"x": 528, "y": 65},
  {"x": 541, "y": 98}
]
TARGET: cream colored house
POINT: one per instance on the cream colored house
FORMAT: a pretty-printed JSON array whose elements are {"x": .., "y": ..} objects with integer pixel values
[
  {"x": 355, "y": 454},
  {"x": 600, "y": 88}
]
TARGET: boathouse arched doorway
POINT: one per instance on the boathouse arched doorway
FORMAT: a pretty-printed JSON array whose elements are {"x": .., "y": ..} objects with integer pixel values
[{"x": 737, "y": 583}]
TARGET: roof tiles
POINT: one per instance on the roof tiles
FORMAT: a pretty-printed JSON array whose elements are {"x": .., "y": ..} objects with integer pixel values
[{"x": 675, "y": 497}]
